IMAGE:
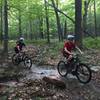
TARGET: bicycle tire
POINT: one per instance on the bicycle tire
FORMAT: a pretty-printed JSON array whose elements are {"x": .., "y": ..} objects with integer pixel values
[
  {"x": 15, "y": 59},
  {"x": 27, "y": 61},
  {"x": 62, "y": 66},
  {"x": 80, "y": 70}
]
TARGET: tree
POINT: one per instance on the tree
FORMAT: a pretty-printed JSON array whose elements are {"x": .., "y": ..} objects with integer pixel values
[
  {"x": 78, "y": 22},
  {"x": 1, "y": 22},
  {"x": 47, "y": 22},
  {"x": 95, "y": 19},
  {"x": 41, "y": 28},
  {"x": 86, "y": 5},
  {"x": 85, "y": 15},
  {"x": 5, "y": 26},
  {"x": 58, "y": 22},
  {"x": 65, "y": 29},
  {"x": 19, "y": 19}
]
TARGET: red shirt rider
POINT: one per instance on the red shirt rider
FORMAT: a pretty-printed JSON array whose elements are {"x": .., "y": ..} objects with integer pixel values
[{"x": 69, "y": 45}]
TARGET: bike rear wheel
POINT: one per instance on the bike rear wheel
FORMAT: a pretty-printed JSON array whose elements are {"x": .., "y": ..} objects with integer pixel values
[
  {"x": 61, "y": 67},
  {"x": 83, "y": 73},
  {"x": 28, "y": 62},
  {"x": 15, "y": 59}
]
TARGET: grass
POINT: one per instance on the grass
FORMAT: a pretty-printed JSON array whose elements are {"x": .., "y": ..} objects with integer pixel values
[
  {"x": 36, "y": 42},
  {"x": 92, "y": 43},
  {"x": 12, "y": 43},
  {"x": 55, "y": 46}
]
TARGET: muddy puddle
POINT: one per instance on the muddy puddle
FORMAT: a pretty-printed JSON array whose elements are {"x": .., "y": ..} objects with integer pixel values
[{"x": 38, "y": 72}]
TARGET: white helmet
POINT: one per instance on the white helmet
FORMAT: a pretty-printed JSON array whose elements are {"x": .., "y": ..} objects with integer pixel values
[
  {"x": 70, "y": 37},
  {"x": 21, "y": 39}
]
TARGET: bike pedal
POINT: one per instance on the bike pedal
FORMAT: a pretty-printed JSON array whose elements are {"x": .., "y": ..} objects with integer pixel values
[{"x": 73, "y": 72}]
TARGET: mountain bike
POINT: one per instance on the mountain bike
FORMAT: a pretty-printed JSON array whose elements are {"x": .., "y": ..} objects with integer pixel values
[
  {"x": 76, "y": 68},
  {"x": 17, "y": 58}
]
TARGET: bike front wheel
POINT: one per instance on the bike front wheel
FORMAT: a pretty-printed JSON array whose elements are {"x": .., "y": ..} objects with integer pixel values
[
  {"x": 15, "y": 59},
  {"x": 61, "y": 67},
  {"x": 28, "y": 62},
  {"x": 83, "y": 73}
]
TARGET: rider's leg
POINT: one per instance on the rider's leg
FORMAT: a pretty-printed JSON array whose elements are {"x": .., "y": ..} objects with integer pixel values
[{"x": 69, "y": 59}]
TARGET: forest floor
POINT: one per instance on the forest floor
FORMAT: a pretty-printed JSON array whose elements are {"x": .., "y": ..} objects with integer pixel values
[{"x": 17, "y": 83}]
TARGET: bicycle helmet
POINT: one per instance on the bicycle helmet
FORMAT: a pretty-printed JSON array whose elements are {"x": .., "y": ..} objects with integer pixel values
[
  {"x": 70, "y": 37},
  {"x": 21, "y": 39}
]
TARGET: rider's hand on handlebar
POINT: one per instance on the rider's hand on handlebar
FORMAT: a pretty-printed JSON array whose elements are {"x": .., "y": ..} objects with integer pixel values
[
  {"x": 81, "y": 52},
  {"x": 73, "y": 54}
]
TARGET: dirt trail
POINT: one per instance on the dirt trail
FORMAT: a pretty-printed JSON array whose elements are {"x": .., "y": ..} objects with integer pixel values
[{"x": 74, "y": 89}]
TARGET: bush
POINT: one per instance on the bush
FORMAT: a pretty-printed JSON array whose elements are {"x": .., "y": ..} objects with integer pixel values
[
  {"x": 91, "y": 43},
  {"x": 36, "y": 42}
]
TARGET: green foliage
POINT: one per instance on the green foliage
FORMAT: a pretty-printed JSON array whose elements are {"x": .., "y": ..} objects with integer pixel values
[
  {"x": 92, "y": 43},
  {"x": 36, "y": 42},
  {"x": 12, "y": 44},
  {"x": 55, "y": 49},
  {"x": 33, "y": 11}
]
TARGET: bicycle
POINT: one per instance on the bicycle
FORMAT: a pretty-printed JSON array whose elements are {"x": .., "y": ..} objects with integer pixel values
[
  {"x": 76, "y": 68},
  {"x": 17, "y": 58}
]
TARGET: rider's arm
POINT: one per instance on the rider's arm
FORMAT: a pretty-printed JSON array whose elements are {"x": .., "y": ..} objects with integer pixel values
[
  {"x": 67, "y": 51},
  {"x": 78, "y": 49},
  {"x": 18, "y": 47},
  {"x": 23, "y": 47}
]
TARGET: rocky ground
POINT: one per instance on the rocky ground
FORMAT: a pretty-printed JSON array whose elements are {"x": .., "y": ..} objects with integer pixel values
[{"x": 15, "y": 86}]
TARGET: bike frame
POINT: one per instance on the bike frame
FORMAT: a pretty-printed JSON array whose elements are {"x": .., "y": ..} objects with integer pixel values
[{"x": 76, "y": 62}]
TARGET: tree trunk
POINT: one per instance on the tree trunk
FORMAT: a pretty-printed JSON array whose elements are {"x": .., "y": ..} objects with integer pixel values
[
  {"x": 58, "y": 22},
  {"x": 57, "y": 3},
  {"x": 65, "y": 29},
  {"x": 85, "y": 15},
  {"x": 47, "y": 23},
  {"x": 30, "y": 31},
  {"x": 41, "y": 28},
  {"x": 78, "y": 22},
  {"x": 86, "y": 5},
  {"x": 58, "y": 10},
  {"x": 5, "y": 26},
  {"x": 1, "y": 36},
  {"x": 95, "y": 19},
  {"x": 90, "y": 20},
  {"x": 19, "y": 18},
  {"x": 26, "y": 31}
]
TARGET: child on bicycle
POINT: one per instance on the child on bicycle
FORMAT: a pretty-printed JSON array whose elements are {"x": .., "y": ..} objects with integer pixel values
[
  {"x": 69, "y": 45},
  {"x": 19, "y": 45}
]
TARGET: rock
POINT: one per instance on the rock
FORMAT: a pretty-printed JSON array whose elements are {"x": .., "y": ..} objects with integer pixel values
[
  {"x": 2, "y": 85},
  {"x": 95, "y": 68},
  {"x": 55, "y": 81}
]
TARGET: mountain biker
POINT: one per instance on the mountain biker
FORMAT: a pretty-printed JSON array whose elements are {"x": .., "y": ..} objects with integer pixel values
[
  {"x": 19, "y": 45},
  {"x": 69, "y": 45}
]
